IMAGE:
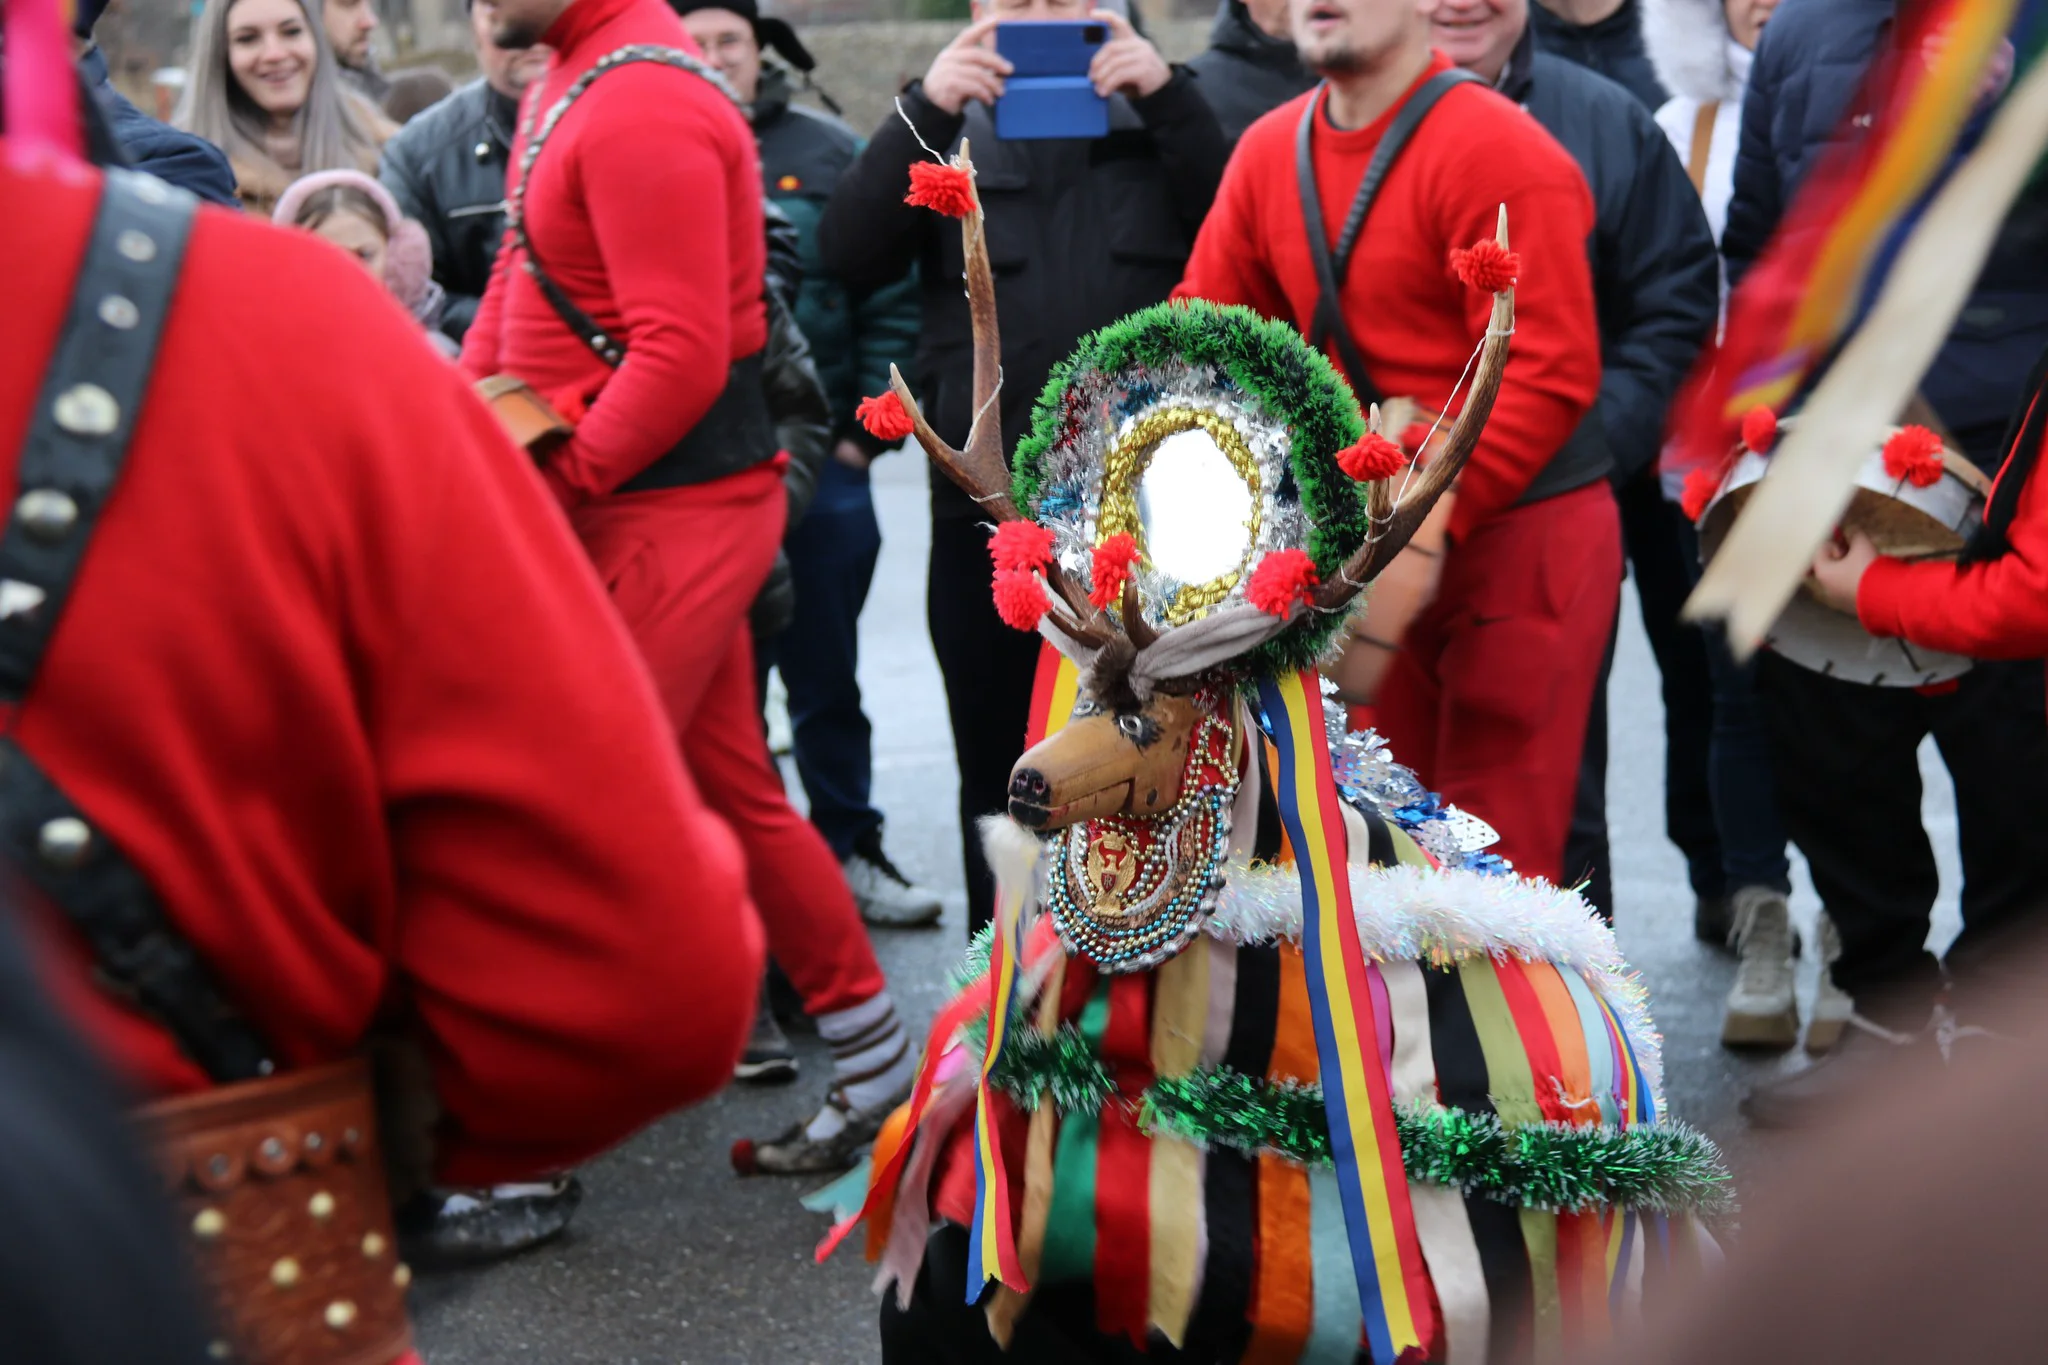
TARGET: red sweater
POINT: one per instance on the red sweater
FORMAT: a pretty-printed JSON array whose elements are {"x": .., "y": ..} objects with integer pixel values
[
  {"x": 343, "y": 686},
  {"x": 1414, "y": 322},
  {"x": 1997, "y": 609},
  {"x": 645, "y": 208}
]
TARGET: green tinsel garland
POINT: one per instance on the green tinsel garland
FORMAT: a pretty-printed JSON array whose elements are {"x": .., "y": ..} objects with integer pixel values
[
  {"x": 1291, "y": 379},
  {"x": 1661, "y": 1168},
  {"x": 1664, "y": 1168}
]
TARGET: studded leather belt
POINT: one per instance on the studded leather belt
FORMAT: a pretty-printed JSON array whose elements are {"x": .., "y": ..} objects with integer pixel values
[{"x": 280, "y": 1183}]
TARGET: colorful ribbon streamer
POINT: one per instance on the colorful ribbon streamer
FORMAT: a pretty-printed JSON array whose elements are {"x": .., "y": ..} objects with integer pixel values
[
  {"x": 992, "y": 1240},
  {"x": 1386, "y": 1255},
  {"x": 1802, "y": 296}
]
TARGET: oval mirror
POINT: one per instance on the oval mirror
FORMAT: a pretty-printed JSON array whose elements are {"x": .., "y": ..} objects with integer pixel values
[{"x": 1195, "y": 508}]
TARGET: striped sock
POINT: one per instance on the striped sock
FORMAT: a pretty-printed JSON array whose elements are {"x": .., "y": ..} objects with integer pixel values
[{"x": 872, "y": 1060}]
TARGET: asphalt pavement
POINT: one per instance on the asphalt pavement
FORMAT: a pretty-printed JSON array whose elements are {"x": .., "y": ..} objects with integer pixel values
[{"x": 674, "y": 1259}]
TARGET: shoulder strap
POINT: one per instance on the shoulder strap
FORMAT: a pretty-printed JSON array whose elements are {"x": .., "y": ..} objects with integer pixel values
[
  {"x": 1331, "y": 264},
  {"x": 1702, "y": 145},
  {"x": 77, "y": 443},
  {"x": 608, "y": 348}
]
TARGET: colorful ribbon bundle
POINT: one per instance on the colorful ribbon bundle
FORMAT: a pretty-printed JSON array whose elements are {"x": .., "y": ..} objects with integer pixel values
[
  {"x": 1806, "y": 291},
  {"x": 1353, "y": 1049}
]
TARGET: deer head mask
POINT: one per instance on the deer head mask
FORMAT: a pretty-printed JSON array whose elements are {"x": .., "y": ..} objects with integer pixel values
[{"x": 1178, "y": 522}]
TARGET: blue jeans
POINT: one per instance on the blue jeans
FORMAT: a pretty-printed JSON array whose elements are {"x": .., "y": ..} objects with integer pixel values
[{"x": 832, "y": 554}]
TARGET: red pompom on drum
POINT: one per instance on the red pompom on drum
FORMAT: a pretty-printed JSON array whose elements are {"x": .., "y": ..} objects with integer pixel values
[{"x": 1906, "y": 519}]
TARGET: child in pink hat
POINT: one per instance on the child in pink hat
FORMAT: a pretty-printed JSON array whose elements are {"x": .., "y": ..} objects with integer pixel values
[{"x": 359, "y": 215}]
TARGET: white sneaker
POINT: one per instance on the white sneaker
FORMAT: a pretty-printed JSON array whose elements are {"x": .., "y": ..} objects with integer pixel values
[
  {"x": 1763, "y": 1011},
  {"x": 775, "y": 714},
  {"x": 885, "y": 896},
  {"x": 1832, "y": 1007}
]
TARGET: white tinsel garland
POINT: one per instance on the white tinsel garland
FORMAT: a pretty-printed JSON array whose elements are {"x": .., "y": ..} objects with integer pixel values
[{"x": 1440, "y": 915}]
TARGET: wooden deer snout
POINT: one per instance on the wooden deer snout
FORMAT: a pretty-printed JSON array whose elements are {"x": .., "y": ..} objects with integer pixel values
[{"x": 1129, "y": 760}]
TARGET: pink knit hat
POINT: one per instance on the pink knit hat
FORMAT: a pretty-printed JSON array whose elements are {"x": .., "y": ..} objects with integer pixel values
[{"x": 408, "y": 256}]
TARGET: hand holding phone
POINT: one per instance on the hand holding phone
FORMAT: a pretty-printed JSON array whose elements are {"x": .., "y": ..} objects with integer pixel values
[
  {"x": 1126, "y": 64},
  {"x": 967, "y": 69}
]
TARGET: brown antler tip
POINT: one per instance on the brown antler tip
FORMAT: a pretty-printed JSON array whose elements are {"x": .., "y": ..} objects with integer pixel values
[
  {"x": 1500, "y": 231},
  {"x": 1372, "y": 417}
]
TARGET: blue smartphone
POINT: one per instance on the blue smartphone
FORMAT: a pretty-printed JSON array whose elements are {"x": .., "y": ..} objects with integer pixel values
[{"x": 1048, "y": 93}]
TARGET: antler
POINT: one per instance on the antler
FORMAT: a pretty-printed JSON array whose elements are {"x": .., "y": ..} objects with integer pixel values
[
  {"x": 1394, "y": 522},
  {"x": 980, "y": 469}
]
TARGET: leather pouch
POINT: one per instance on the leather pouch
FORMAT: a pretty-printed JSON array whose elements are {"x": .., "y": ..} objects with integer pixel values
[{"x": 280, "y": 1186}]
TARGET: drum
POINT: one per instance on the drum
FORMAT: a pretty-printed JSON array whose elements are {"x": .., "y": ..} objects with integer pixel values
[{"x": 1902, "y": 520}]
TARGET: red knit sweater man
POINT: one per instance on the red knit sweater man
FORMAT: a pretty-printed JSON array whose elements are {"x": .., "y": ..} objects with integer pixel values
[
  {"x": 643, "y": 208},
  {"x": 1497, "y": 617}
]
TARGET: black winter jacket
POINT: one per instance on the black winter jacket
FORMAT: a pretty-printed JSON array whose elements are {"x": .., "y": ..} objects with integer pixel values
[
  {"x": 1656, "y": 280},
  {"x": 1613, "y": 48},
  {"x": 1809, "y": 71},
  {"x": 170, "y": 154},
  {"x": 1245, "y": 71},
  {"x": 447, "y": 169},
  {"x": 1080, "y": 233}
]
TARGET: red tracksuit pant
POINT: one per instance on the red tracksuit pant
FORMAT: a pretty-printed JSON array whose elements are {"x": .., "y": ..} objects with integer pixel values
[
  {"x": 682, "y": 566},
  {"x": 1488, "y": 698}
]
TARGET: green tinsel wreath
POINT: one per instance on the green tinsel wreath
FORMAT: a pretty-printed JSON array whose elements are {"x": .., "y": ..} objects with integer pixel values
[{"x": 1292, "y": 379}]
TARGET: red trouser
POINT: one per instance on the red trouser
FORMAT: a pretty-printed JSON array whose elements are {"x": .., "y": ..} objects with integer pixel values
[
  {"x": 682, "y": 566},
  {"x": 1488, "y": 698}
]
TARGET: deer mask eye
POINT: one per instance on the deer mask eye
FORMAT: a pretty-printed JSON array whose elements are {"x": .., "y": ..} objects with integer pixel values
[
  {"x": 1138, "y": 728},
  {"x": 1086, "y": 706}
]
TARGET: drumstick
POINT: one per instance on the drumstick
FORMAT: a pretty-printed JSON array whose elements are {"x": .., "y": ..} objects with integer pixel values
[{"x": 1769, "y": 549}]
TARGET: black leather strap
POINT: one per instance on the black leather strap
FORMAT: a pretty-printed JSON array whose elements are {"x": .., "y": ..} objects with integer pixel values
[
  {"x": 1328, "y": 323},
  {"x": 76, "y": 446},
  {"x": 736, "y": 433}
]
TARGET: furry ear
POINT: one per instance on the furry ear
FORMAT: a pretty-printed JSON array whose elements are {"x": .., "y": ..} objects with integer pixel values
[{"x": 408, "y": 262}]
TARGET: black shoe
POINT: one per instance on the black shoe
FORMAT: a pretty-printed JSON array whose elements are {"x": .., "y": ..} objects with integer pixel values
[
  {"x": 769, "y": 1059},
  {"x": 1713, "y": 920},
  {"x": 445, "y": 1229}
]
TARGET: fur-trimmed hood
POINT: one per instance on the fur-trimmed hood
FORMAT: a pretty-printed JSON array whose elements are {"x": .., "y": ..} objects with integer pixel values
[{"x": 1690, "y": 48}]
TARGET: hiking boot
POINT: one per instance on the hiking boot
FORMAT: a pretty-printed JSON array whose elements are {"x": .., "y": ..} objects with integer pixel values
[
  {"x": 1712, "y": 921},
  {"x": 769, "y": 1059},
  {"x": 1815, "y": 1094},
  {"x": 1832, "y": 1006},
  {"x": 887, "y": 898},
  {"x": 445, "y": 1229},
  {"x": 833, "y": 1139},
  {"x": 1762, "y": 1009}
]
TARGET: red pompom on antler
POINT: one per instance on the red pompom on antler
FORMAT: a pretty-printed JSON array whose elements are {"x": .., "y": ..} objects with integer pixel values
[
  {"x": 1282, "y": 579},
  {"x": 883, "y": 417},
  {"x": 1112, "y": 568},
  {"x": 941, "y": 186},
  {"x": 1486, "y": 265},
  {"x": 1700, "y": 487},
  {"x": 1020, "y": 601},
  {"x": 1914, "y": 454},
  {"x": 1760, "y": 429},
  {"x": 1023, "y": 545},
  {"x": 1374, "y": 457}
]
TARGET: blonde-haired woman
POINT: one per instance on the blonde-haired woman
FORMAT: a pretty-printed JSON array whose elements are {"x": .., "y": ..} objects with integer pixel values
[{"x": 263, "y": 86}]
